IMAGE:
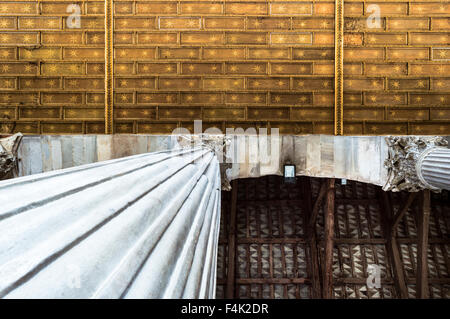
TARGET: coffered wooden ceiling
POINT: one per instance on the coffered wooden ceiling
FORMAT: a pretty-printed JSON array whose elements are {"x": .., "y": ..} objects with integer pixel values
[{"x": 230, "y": 63}]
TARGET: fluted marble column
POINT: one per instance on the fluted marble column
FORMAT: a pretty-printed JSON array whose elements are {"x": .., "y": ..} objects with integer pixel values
[
  {"x": 144, "y": 226},
  {"x": 433, "y": 168}
]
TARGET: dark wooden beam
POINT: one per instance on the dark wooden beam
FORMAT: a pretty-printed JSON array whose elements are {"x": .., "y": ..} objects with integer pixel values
[
  {"x": 402, "y": 212},
  {"x": 311, "y": 233},
  {"x": 422, "y": 290},
  {"x": 232, "y": 243},
  {"x": 329, "y": 237},
  {"x": 315, "y": 209},
  {"x": 392, "y": 248}
]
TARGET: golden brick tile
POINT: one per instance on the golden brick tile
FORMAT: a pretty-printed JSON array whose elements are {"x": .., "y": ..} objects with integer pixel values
[
  {"x": 119, "y": 38},
  {"x": 246, "y": 38},
  {"x": 223, "y": 53},
  {"x": 62, "y": 128},
  {"x": 39, "y": 113},
  {"x": 293, "y": 127},
  {"x": 18, "y": 8},
  {"x": 202, "y": 38},
  {"x": 261, "y": 83},
  {"x": 84, "y": 84},
  {"x": 19, "y": 98},
  {"x": 413, "y": 114},
  {"x": 429, "y": 99},
  {"x": 172, "y": 113},
  {"x": 352, "y": 98},
  {"x": 7, "y": 23},
  {"x": 166, "y": 38},
  {"x": 8, "y": 83},
  {"x": 59, "y": 8},
  {"x": 407, "y": 24},
  {"x": 123, "y": 98},
  {"x": 429, "y": 38},
  {"x": 290, "y": 8},
  {"x": 157, "y": 98},
  {"x": 224, "y": 23},
  {"x": 179, "y": 83},
  {"x": 268, "y": 113},
  {"x": 323, "y": 99},
  {"x": 16, "y": 38},
  {"x": 312, "y": 114},
  {"x": 313, "y": 23},
  {"x": 201, "y": 68},
  {"x": 123, "y": 127},
  {"x": 352, "y": 39},
  {"x": 61, "y": 98},
  {"x": 17, "y": 68},
  {"x": 440, "y": 54},
  {"x": 323, "y": 128},
  {"x": 232, "y": 83},
  {"x": 416, "y": 84},
  {"x": 440, "y": 84},
  {"x": 384, "y": 98},
  {"x": 121, "y": 8},
  {"x": 353, "y": 128},
  {"x": 430, "y": 128},
  {"x": 380, "y": 128},
  {"x": 7, "y": 53},
  {"x": 135, "y": 113},
  {"x": 268, "y": 23},
  {"x": 291, "y": 68},
  {"x": 350, "y": 68},
  {"x": 313, "y": 84},
  {"x": 134, "y": 23},
  {"x": 134, "y": 83},
  {"x": 95, "y": 127},
  {"x": 369, "y": 84},
  {"x": 156, "y": 128},
  {"x": 179, "y": 53},
  {"x": 201, "y": 98},
  {"x": 246, "y": 68},
  {"x": 392, "y": 8},
  {"x": 440, "y": 113},
  {"x": 245, "y": 98},
  {"x": 353, "y": 9},
  {"x": 289, "y": 38},
  {"x": 8, "y": 113},
  {"x": 229, "y": 113},
  {"x": 407, "y": 54},
  {"x": 312, "y": 54},
  {"x": 134, "y": 53},
  {"x": 363, "y": 54},
  {"x": 156, "y": 68},
  {"x": 424, "y": 9},
  {"x": 356, "y": 114},
  {"x": 281, "y": 98},
  {"x": 95, "y": 98},
  {"x": 440, "y": 24},
  {"x": 246, "y": 8},
  {"x": 95, "y": 8},
  {"x": 62, "y": 68},
  {"x": 84, "y": 113},
  {"x": 201, "y": 8},
  {"x": 385, "y": 69},
  {"x": 324, "y": 8},
  {"x": 268, "y": 53},
  {"x": 123, "y": 68},
  {"x": 385, "y": 38},
  {"x": 40, "y": 83},
  {"x": 83, "y": 53},
  {"x": 26, "y": 127},
  {"x": 354, "y": 24},
  {"x": 39, "y": 23},
  {"x": 60, "y": 38},
  {"x": 89, "y": 23},
  {"x": 179, "y": 23},
  {"x": 155, "y": 8}
]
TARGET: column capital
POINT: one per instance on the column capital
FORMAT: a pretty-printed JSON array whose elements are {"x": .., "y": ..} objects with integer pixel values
[{"x": 404, "y": 154}]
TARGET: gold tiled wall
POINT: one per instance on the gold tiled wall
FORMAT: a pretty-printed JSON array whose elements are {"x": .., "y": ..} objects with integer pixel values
[
  {"x": 398, "y": 76},
  {"x": 52, "y": 76},
  {"x": 244, "y": 63}
]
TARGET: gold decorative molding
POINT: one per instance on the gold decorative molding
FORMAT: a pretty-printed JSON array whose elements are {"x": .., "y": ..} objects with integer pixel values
[
  {"x": 339, "y": 68},
  {"x": 109, "y": 60}
]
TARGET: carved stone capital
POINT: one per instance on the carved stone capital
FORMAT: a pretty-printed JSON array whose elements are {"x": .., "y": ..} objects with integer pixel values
[
  {"x": 404, "y": 153},
  {"x": 8, "y": 156}
]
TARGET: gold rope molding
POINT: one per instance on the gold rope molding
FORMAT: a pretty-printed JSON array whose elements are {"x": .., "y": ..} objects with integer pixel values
[
  {"x": 339, "y": 68},
  {"x": 109, "y": 77}
]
